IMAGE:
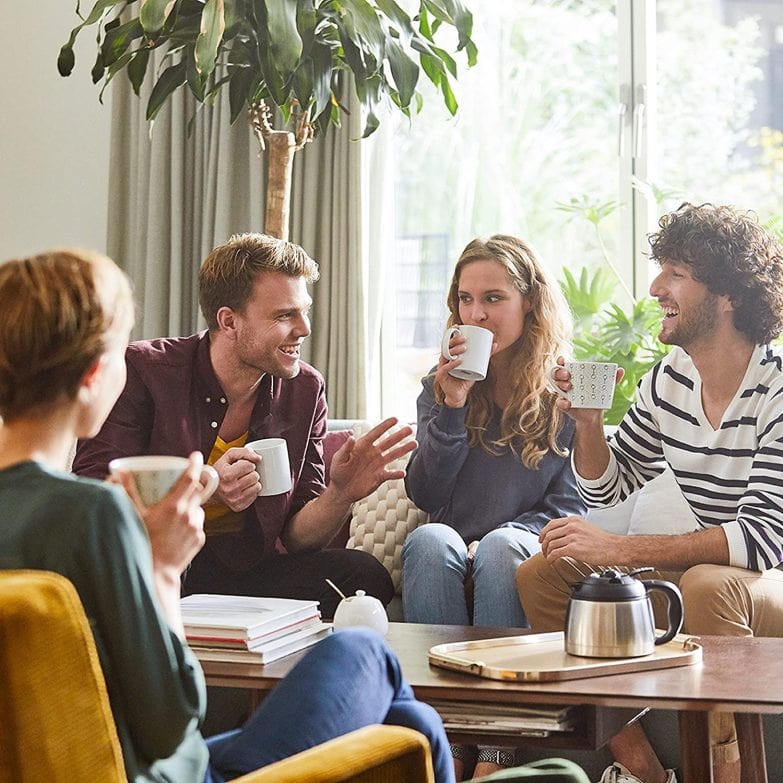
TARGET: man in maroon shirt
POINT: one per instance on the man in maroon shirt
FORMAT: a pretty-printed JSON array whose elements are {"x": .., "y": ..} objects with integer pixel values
[{"x": 237, "y": 382}]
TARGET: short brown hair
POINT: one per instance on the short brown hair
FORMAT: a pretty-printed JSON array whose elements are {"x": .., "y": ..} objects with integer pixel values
[
  {"x": 58, "y": 310},
  {"x": 226, "y": 277},
  {"x": 732, "y": 255}
]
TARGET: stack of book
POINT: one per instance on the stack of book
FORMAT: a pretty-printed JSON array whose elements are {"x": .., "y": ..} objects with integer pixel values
[{"x": 246, "y": 629}]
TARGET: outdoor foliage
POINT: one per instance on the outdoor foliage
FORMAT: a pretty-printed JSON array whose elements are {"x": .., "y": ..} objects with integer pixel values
[
  {"x": 288, "y": 54},
  {"x": 605, "y": 332}
]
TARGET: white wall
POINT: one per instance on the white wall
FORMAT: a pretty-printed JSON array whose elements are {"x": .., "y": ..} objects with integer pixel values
[{"x": 54, "y": 134}]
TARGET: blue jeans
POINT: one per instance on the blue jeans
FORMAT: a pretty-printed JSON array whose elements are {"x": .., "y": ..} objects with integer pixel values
[
  {"x": 349, "y": 680},
  {"x": 434, "y": 567}
]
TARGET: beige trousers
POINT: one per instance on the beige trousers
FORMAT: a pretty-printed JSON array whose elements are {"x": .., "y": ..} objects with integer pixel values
[{"x": 718, "y": 600}]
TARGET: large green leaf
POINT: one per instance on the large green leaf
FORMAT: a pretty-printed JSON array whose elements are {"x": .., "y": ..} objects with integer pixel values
[
  {"x": 113, "y": 70},
  {"x": 405, "y": 72},
  {"x": 153, "y": 14},
  {"x": 400, "y": 19},
  {"x": 66, "y": 60},
  {"x": 284, "y": 39},
  {"x": 117, "y": 40},
  {"x": 446, "y": 59},
  {"x": 197, "y": 83},
  {"x": 371, "y": 123},
  {"x": 272, "y": 79},
  {"x": 306, "y": 23},
  {"x": 172, "y": 78},
  {"x": 433, "y": 67},
  {"x": 137, "y": 69},
  {"x": 312, "y": 81},
  {"x": 235, "y": 15},
  {"x": 453, "y": 12},
  {"x": 98, "y": 68},
  {"x": 352, "y": 54},
  {"x": 448, "y": 96},
  {"x": 213, "y": 23},
  {"x": 185, "y": 28},
  {"x": 365, "y": 27},
  {"x": 240, "y": 89},
  {"x": 243, "y": 68},
  {"x": 368, "y": 90}
]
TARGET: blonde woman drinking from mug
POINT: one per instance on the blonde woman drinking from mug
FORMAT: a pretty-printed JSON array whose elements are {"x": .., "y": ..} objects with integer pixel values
[{"x": 492, "y": 465}]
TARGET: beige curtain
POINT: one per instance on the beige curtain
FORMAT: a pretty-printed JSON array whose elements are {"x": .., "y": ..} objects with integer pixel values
[
  {"x": 326, "y": 220},
  {"x": 174, "y": 196}
]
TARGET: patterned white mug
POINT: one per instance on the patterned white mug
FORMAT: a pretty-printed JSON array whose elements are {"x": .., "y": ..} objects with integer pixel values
[{"x": 592, "y": 383}]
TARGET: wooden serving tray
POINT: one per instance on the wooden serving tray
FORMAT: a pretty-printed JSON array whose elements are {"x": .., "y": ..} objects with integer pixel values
[{"x": 542, "y": 658}]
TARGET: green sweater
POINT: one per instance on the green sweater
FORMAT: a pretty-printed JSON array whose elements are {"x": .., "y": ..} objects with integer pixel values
[{"x": 89, "y": 532}]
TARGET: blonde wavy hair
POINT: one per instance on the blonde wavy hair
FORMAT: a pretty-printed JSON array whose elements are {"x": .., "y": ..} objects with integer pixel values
[{"x": 530, "y": 422}]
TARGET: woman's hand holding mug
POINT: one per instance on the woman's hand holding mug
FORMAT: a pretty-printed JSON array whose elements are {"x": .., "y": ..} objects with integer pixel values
[{"x": 465, "y": 354}]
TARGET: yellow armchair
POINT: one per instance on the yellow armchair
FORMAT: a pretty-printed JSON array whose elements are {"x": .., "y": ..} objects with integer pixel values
[{"x": 56, "y": 724}]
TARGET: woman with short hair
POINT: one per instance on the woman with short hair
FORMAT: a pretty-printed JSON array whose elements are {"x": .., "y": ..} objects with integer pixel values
[{"x": 64, "y": 327}]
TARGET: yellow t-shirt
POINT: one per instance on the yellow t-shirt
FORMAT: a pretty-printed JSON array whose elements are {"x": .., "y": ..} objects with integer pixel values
[{"x": 219, "y": 518}]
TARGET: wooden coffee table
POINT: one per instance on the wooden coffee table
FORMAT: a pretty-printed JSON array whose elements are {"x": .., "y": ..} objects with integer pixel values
[{"x": 740, "y": 675}]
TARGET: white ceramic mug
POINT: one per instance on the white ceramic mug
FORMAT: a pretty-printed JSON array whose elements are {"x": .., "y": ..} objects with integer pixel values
[
  {"x": 592, "y": 383},
  {"x": 478, "y": 348},
  {"x": 273, "y": 471},
  {"x": 155, "y": 475}
]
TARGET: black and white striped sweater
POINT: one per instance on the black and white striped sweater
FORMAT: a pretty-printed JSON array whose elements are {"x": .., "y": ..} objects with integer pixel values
[{"x": 731, "y": 476}]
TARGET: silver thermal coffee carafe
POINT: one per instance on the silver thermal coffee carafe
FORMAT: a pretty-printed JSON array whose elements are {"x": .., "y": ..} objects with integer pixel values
[{"x": 610, "y": 615}]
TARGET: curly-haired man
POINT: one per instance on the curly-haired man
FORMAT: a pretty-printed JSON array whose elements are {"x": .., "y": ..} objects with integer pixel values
[{"x": 711, "y": 410}]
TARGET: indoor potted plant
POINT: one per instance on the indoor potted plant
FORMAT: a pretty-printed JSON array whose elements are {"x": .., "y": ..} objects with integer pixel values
[{"x": 283, "y": 58}]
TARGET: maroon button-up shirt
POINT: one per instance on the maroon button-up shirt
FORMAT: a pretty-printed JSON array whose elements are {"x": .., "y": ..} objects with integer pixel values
[{"x": 173, "y": 404}]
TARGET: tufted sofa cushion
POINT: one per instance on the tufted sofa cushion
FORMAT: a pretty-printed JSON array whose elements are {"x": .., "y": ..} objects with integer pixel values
[{"x": 381, "y": 521}]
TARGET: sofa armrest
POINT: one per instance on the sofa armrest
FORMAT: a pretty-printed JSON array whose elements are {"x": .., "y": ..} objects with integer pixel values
[{"x": 373, "y": 753}]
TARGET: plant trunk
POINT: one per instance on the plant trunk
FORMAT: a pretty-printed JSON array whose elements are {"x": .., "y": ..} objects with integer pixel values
[{"x": 281, "y": 149}]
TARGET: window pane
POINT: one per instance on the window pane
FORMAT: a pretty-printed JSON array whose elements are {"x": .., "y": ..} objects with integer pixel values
[
  {"x": 719, "y": 102},
  {"x": 537, "y": 127}
]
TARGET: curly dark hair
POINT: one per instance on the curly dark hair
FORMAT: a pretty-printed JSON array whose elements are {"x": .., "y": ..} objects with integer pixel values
[{"x": 731, "y": 253}]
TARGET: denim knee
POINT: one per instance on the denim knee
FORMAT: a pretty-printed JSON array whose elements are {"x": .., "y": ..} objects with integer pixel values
[
  {"x": 432, "y": 543},
  {"x": 347, "y": 640},
  {"x": 509, "y": 545}
]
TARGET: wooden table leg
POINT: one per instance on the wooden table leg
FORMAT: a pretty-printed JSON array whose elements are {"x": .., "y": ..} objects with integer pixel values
[
  {"x": 695, "y": 753},
  {"x": 750, "y": 736}
]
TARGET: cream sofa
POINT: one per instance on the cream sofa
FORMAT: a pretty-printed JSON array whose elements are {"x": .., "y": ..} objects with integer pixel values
[{"x": 380, "y": 522}]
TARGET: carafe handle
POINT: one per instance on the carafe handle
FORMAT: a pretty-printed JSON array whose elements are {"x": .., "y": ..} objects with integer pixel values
[{"x": 674, "y": 609}]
